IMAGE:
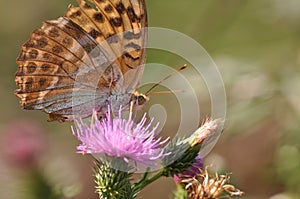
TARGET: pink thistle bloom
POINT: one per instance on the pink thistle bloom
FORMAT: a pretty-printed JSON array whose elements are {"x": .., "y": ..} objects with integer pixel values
[{"x": 120, "y": 138}]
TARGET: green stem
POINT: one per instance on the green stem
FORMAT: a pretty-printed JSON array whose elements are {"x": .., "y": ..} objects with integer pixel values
[
  {"x": 146, "y": 174},
  {"x": 146, "y": 181}
]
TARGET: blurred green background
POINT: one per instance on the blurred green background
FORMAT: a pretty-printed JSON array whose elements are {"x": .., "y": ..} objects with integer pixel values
[{"x": 255, "y": 44}]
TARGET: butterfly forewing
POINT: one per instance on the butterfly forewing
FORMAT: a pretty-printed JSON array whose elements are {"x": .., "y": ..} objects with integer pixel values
[
  {"x": 120, "y": 27},
  {"x": 95, "y": 54}
]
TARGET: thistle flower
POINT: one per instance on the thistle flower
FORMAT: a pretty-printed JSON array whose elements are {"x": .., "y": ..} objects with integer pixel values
[
  {"x": 120, "y": 138},
  {"x": 205, "y": 185},
  {"x": 192, "y": 171},
  {"x": 186, "y": 151},
  {"x": 207, "y": 130}
]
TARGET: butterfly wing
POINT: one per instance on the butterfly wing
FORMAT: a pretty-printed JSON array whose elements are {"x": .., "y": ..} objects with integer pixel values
[
  {"x": 121, "y": 28},
  {"x": 71, "y": 58}
]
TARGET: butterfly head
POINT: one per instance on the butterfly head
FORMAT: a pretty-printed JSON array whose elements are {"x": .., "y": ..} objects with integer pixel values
[{"x": 140, "y": 100}]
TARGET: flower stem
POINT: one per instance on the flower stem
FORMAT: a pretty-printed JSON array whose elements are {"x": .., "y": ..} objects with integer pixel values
[{"x": 146, "y": 181}]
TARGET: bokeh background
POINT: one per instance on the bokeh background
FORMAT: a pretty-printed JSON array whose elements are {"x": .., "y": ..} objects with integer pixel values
[{"x": 255, "y": 44}]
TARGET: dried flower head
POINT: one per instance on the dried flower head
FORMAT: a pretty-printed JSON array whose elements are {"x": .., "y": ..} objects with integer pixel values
[
  {"x": 207, "y": 129},
  {"x": 206, "y": 185},
  {"x": 120, "y": 138}
]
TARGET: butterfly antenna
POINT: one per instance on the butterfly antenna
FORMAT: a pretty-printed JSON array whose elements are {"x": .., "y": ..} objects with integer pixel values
[
  {"x": 166, "y": 92},
  {"x": 164, "y": 79}
]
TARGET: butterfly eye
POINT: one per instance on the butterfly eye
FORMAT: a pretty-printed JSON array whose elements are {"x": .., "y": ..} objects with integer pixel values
[{"x": 141, "y": 100}]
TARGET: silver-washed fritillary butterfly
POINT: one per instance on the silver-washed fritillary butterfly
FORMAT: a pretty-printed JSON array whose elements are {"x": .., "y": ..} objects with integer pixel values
[{"x": 92, "y": 57}]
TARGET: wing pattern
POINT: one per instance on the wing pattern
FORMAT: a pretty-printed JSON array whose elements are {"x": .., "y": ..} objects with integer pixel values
[{"x": 94, "y": 54}]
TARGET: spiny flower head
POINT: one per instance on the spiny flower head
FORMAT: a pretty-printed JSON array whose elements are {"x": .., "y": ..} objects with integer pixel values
[
  {"x": 192, "y": 171},
  {"x": 120, "y": 138},
  {"x": 186, "y": 153}
]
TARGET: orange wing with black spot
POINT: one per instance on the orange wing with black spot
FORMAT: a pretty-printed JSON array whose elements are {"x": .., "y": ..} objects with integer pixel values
[{"x": 97, "y": 49}]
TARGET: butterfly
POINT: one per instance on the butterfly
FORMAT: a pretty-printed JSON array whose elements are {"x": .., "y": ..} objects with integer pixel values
[{"x": 88, "y": 59}]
